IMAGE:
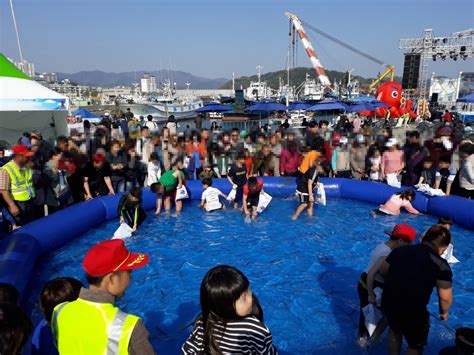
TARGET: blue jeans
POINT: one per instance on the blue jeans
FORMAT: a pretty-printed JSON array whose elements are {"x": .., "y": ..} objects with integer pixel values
[{"x": 122, "y": 185}]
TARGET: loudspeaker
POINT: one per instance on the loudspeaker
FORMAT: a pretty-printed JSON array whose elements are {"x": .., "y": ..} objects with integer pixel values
[
  {"x": 434, "y": 98},
  {"x": 411, "y": 71}
]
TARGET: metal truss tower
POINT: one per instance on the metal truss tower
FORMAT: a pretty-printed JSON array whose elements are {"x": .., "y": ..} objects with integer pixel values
[{"x": 458, "y": 45}]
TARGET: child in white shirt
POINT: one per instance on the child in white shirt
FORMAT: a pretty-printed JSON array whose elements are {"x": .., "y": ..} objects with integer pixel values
[{"x": 210, "y": 196}]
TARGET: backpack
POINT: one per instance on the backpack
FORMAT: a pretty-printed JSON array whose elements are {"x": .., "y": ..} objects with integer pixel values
[{"x": 133, "y": 127}]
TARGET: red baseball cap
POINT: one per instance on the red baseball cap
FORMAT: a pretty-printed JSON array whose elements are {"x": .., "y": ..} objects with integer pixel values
[
  {"x": 403, "y": 232},
  {"x": 98, "y": 158},
  {"x": 21, "y": 149},
  {"x": 112, "y": 255}
]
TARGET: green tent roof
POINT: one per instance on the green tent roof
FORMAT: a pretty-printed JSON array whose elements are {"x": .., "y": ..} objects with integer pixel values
[{"x": 9, "y": 70}]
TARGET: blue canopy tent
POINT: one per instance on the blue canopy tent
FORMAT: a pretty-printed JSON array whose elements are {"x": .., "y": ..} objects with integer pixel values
[
  {"x": 378, "y": 103},
  {"x": 327, "y": 105},
  {"x": 468, "y": 98},
  {"x": 86, "y": 115},
  {"x": 365, "y": 106},
  {"x": 267, "y": 107},
  {"x": 214, "y": 107},
  {"x": 298, "y": 105},
  {"x": 361, "y": 106}
]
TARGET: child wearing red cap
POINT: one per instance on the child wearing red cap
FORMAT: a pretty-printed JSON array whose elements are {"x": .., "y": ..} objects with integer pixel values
[
  {"x": 401, "y": 235},
  {"x": 92, "y": 324}
]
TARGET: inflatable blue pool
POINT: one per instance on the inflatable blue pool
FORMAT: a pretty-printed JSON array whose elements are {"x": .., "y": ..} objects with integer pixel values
[{"x": 303, "y": 272}]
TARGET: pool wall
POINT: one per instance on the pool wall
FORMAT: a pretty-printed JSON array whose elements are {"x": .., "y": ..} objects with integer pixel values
[{"x": 20, "y": 250}]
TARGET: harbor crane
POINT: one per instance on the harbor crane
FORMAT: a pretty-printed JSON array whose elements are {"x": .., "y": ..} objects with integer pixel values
[{"x": 298, "y": 25}]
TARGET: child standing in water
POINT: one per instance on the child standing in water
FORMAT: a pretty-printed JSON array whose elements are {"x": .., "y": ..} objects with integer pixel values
[
  {"x": 227, "y": 323},
  {"x": 304, "y": 190},
  {"x": 166, "y": 188},
  {"x": 130, "y": 208},
  {"x": 237, "y": 176}
]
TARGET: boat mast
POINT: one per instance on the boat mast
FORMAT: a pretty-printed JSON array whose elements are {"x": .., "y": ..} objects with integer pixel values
[
  {"x": 259, "y": 68},
  {"x": 288, "y": 78}
]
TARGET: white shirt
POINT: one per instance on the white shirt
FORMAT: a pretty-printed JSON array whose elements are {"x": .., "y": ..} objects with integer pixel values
[
  {"x": 382, "y": 250},
  {"x": 211, "y": 197},
  {"x": 143, "y": 148},
  {"x": 375, "y": 161},
  {"x": 172, "y": 126},
  {"x": 154, "y": 173},
  {"x": 152, "y": 126}
]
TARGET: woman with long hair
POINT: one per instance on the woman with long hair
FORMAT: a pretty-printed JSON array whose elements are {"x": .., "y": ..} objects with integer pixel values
[{"x": 230, "y": 319}]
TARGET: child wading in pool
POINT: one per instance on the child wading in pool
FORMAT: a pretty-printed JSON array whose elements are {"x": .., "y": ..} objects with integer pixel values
[
  {"x": 230, "y": 322},
  {"x": 251, "y": 196},
  {"x": 305, "y": 188},
  {"x": 130, "y": 208},
  {"x": 210, "y": 196},
  {"x": 166, "y": 188},
  {"x": 396, "y": 202},
  {"x": 237, "y": 176}
]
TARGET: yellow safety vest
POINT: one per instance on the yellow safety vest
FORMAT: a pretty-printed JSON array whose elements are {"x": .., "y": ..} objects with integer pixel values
[
  {"x": 21, "y": 183},
  {"x": 82, "y": 327}
]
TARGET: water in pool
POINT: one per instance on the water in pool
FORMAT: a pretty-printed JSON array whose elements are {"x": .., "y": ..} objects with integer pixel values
[{"x": 305, "y": 272}]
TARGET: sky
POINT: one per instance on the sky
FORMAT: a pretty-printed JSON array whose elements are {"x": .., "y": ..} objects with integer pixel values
[{"x": 212, "y": 38}]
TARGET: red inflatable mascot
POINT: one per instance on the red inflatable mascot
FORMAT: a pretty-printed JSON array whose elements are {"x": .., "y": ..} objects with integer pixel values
[{"x": 391, "y": 93}]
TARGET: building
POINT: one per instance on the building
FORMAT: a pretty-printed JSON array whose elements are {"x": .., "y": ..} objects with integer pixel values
[
  {"x": 112, "y": 93},
  {"x": 47, "y": 77},
  {"x": 148, "y": 84},
  {"x": 25, "y": 66},
  {"x": 71, "y": 90}
]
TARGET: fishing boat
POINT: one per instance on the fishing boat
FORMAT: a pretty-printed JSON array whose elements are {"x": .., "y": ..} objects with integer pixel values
[
  {"x": 258, "y": 90},
  {"x": 162, "y": 105}
]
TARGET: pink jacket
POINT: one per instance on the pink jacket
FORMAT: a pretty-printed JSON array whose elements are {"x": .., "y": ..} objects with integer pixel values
[
  {"x": 289, "y": 162},
  {"x": 395, "y": 203}
]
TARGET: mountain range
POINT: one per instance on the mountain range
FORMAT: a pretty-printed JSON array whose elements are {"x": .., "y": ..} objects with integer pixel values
[
  {"x": 105, "y": 79},
  {"x": 297, "y": 76}
]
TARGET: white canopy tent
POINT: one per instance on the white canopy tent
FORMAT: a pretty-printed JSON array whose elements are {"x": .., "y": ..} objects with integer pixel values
[{"x": 26, "y": 105}]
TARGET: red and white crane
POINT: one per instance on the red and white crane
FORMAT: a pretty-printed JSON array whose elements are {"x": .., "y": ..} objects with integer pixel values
[{"x": 313, "y": 57}]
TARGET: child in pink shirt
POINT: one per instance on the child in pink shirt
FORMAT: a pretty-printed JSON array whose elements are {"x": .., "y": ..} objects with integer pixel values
[{"x": 397, "y": 201}]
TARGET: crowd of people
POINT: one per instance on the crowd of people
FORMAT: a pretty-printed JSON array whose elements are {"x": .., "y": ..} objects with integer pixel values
[
  {"x": 129, "y": 153},
  {"x": 118, "y": 154}
]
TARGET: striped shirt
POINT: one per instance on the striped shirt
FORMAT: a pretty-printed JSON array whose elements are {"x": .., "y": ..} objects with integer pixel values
[{"x": 244, "y": 336}]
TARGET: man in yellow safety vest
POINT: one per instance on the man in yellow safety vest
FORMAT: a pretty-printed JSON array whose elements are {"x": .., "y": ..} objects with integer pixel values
[
  {"x": 16, "y": 185},
  {"x": 92, "y": 324}
]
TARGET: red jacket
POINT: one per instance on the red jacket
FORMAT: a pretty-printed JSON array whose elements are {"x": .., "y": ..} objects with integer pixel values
[{"x": 289, "y": 162}]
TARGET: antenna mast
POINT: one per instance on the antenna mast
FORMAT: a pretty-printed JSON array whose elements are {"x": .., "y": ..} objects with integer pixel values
[{"x": 16, "y": 30}]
